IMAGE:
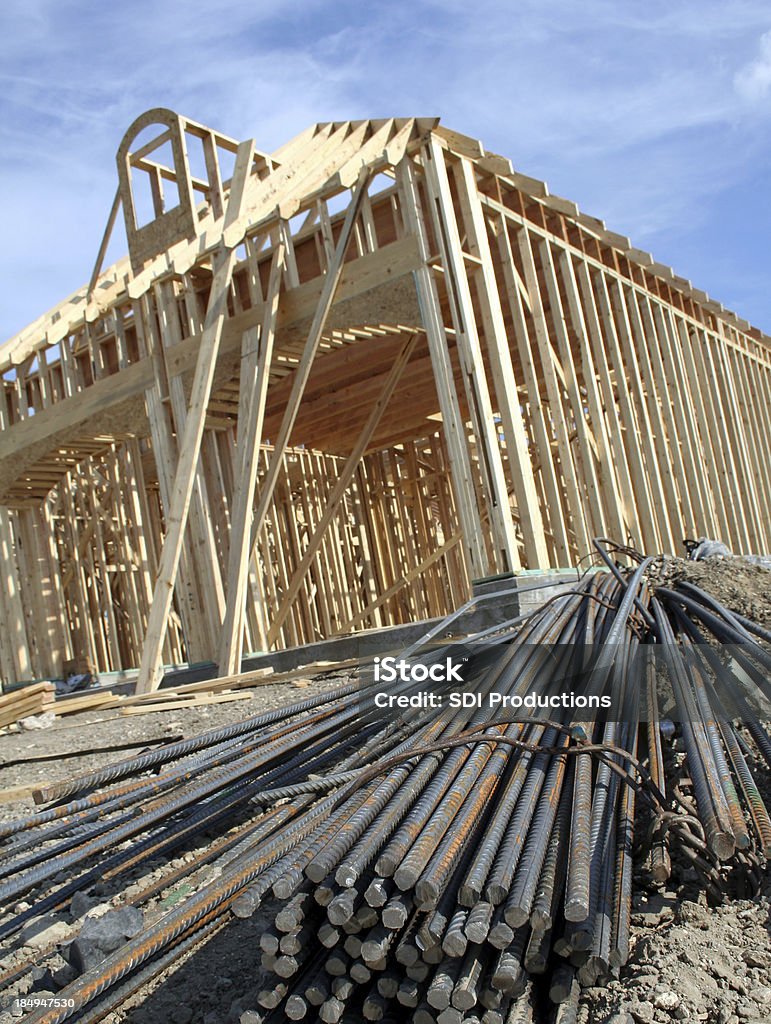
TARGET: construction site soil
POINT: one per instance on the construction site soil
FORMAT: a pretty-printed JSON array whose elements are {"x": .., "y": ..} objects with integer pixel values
[
  {"x": 739, "y": 585},
  {"x": 690, "y": 961}
]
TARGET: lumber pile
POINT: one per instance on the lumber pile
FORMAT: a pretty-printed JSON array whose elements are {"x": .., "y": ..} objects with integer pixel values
[
  {"x": 141, "y": 704},
  {"x": 40, "y": 697},
  {"x": 30, "y": 700},
  {"x": 219, "y": 691},
  {"x": 85, "y": 701}
]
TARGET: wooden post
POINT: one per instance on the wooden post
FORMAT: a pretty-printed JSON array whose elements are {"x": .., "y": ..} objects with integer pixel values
[
  {"x": 201, "y": 546},
  {"x": 164, "y": 448},
  {"x": 454, "y": 428},
  {"x": 255, "y": 371}
]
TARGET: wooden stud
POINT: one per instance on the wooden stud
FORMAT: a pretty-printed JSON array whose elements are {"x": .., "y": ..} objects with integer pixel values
[
  {"x": 505, "y": 383},
  {"x": 474, "y": 373},
  {"x": 256, "y": 359},
  {"x": 453, "y": 426}
]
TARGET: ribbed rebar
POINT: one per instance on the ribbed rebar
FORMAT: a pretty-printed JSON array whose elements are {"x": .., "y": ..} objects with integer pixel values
[{"x": 433, "y": 864}]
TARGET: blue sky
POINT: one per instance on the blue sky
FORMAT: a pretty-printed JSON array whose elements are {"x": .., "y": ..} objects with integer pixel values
[{"x": 654, "y": 117}]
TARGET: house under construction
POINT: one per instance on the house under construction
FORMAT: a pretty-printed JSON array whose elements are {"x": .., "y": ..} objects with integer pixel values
[{"x": 330, "y": 386}]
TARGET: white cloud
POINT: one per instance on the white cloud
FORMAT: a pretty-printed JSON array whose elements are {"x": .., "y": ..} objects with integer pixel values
[
  {"x": 753, "y": 81},
  {"x": 638, "y": 114}
]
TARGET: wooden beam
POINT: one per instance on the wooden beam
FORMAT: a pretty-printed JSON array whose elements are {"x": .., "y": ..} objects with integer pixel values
[
  {"x": 103, "y": 245},
  {"x": 150, "y": 666},
  {"x": 164, "y": 450},
  {"x": 255, "y": 370},
  {"x": 453, "y": 425},
  {"x": 201, "y": 549}
]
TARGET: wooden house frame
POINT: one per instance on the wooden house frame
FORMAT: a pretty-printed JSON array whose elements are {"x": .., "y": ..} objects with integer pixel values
[{"x": 331, "y": 385}]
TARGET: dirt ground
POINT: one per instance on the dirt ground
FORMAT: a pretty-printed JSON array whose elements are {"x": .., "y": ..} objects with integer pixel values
[
  {"x": 689, "y": 961},
  {"x": 739, "y": 585}
]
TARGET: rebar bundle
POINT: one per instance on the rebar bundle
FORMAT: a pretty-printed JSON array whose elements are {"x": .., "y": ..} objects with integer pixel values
[{"x": 437, "y": 865}]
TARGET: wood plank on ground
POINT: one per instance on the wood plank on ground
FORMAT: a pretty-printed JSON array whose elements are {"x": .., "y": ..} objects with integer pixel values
[
  {"x": 193, "y": 702},
  {"x": 88, "y": 702},
  {"x": 8, "y": 699},
  {"x": 14, "y": 793}
]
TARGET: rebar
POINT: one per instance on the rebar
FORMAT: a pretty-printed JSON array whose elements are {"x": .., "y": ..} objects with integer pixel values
[{"x": 435, "y": 863}]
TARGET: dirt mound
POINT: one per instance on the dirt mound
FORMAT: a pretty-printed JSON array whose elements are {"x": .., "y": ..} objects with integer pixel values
[{"x": 739, "y": 585}]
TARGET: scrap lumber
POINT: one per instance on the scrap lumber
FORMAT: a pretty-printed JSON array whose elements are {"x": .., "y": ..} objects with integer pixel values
[
  {"x": 34, "y": 689},
  {"x": 193, "y": 701},
  {"x": 14, "y": 793},
  {"x": 243, "y": 680},
  {"x": 86, "y": 702},
  {"x": 26, "y": 701}
]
